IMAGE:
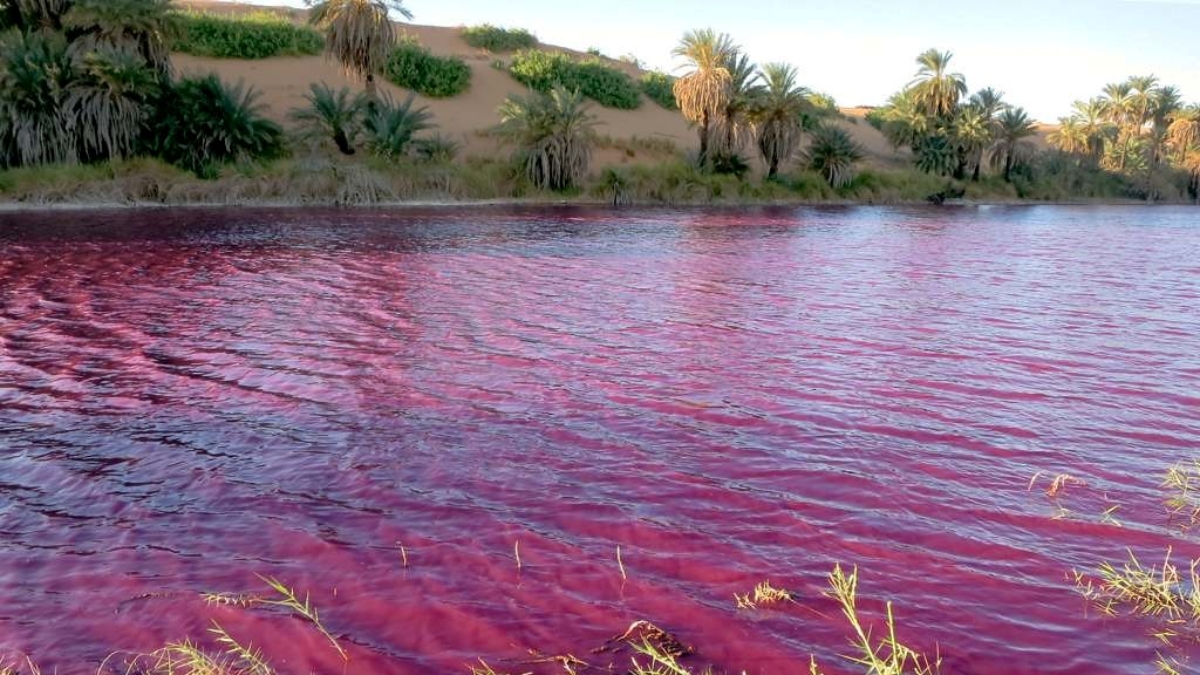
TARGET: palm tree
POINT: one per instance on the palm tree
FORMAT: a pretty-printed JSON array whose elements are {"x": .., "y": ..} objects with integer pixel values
[
  {"x": 833, "y": 154},
  {"x": 206, "y": 123},
  {"x": 1011, "y": 143},
  {"x": 1092, "y": 118},
  {"x": 1184, "y": 132},
  {"x": 704, "y": 90},
  {"x": 1144, "y": 93},
  {"x": 744, "y": 92},
  {"x": 973, "y": 132},
  {"x": 141, "y": 26},
  {"x": 1070, "y": 137},
  {"x": 333, "y": 115},
  {"x": 359, "y": 34},
  {"x": 34, "y": 122},
  {"x": 109, "y": 103},
  {"x": 989, "y": 102},
  {"x": 554, "y": 134},
  {"x": 779, "y": 115},
  {"x": 937, "y": 91},
  {"x": 391, "y": 127}
]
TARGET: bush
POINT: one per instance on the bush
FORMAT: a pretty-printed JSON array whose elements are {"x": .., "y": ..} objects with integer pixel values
[
  {"x": 496, "y": 39},
  {"x": 415, "y": 68},
  {"x": 391, "y": 127},
  {"x": 204, "y": 123},
  {"x": 542, "y": 70},
  {"x": 258, "y": 35},
  {"x": 660, "y": 88}
]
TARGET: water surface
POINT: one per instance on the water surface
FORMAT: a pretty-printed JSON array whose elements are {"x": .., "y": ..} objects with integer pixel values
[{"x": 189, "y": 399}]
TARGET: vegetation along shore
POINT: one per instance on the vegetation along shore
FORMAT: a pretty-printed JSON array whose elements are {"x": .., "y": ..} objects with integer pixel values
[{"x": 161, "y": 102}]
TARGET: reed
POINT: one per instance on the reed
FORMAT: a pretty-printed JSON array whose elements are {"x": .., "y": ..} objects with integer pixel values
[
  {"x": 288, "y": 599},
  {"x": 887, "y": 655}
]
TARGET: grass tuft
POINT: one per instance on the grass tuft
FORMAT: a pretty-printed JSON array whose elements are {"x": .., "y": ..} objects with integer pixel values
[
  {"x": 763, "y": 594},
  {"x": 1182, "y": 483}
]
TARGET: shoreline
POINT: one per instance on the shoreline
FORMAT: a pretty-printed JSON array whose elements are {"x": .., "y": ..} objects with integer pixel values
[{"x": 17, "y": 207}]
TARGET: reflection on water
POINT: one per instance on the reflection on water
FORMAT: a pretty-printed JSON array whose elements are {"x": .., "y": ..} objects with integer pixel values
[{"x": 191, "y": 398}]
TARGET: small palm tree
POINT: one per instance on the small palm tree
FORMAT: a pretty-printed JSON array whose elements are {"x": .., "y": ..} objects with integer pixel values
[
  {"x": 904, "y": 124},
  {"x": 141, "y": 26},
  {"x": 779, "y": 115},
  {"x": 936, "y": 154},
  {"x": 35, "y": 127},
  {"x": 744, "y": 92},
  {"x": 1012, "y": 144},
  {"x": 554, "y": 134},
  {"x": 936, "y": 90},
  {"x": 704, "y": 90},
  {"x": 834, "y": 155},
  {"x": 110, "y": 101},
  {"x": 391, "y": 127},
  {"x": 359, "y": 34},
  {"x": 333, "y": 115},
  {"x": 206, "y": 123}
]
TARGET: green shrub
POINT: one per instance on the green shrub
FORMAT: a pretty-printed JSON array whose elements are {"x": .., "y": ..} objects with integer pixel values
[
  {"x": 204, "y": 123},
  {"x": 415, "y": 68},
  {"x": 258, "y": 35},
  {"x": 496, "y": 39},
  {"x": 542, "y": 70},
  {"x": 392, "y": 126},
  {"x": 660, "y": 88}
]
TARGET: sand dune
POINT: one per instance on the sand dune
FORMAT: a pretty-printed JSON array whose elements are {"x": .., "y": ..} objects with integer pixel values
[{"x": 284, "y": 81}]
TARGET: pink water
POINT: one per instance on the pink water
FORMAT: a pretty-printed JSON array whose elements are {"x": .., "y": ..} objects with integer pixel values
[{"x": 191, "y": 398}]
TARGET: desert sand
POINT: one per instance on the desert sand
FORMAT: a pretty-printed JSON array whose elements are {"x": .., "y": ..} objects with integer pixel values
[{"x": 283, "y": 82}]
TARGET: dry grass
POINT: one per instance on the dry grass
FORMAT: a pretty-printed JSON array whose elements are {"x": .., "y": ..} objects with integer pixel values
[
  {"x": 14, "y": 666},
  {"x": 1182, "y": 483},
  {"x": 763, "y": 594},
  {"x": 1160, "y": 592}
]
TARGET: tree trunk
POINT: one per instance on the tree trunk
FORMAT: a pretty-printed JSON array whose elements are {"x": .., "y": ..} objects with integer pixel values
[
  {"x": 773, "y": 170},
  {"x": 343, "y": 143},
  {"x": 704, "y": 140},
  {"x": 372, "y": 93},
  {"x": 1008, "y": 165},
  {"x": 978, "y": 163}
]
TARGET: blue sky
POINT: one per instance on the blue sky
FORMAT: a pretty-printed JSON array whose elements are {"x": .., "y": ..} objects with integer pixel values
[{"x": 1043, "y": 54}]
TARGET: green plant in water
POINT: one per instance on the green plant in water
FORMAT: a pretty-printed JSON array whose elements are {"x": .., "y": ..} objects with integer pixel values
[{"x": 886, "y": 656}]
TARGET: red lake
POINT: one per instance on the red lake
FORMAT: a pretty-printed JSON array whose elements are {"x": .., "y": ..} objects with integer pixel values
[{"x": 385, "y": 409}]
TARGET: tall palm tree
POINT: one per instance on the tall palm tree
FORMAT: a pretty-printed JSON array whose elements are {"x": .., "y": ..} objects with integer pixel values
[
  {"x": 554, "y": 134},
  {"x": 989, "y": 102},
  {"x": 1184, "y": 132},
  {"x": 744, "y": 92},
  {"x": 973, "y": 132},
  {"x": 1070, "y": 137},
  {"x": 141, "y": 26},
  {"x": 704, "y": 90},
  {"x": 359, "y": 34},
  {"x": 937, "y": 90},
  {"x": 1142, "y": 98},
  {"x": 1012, "y": 140},
  {"x": 779, "y": 115},
  {"x": 1092, "y": 119}
]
